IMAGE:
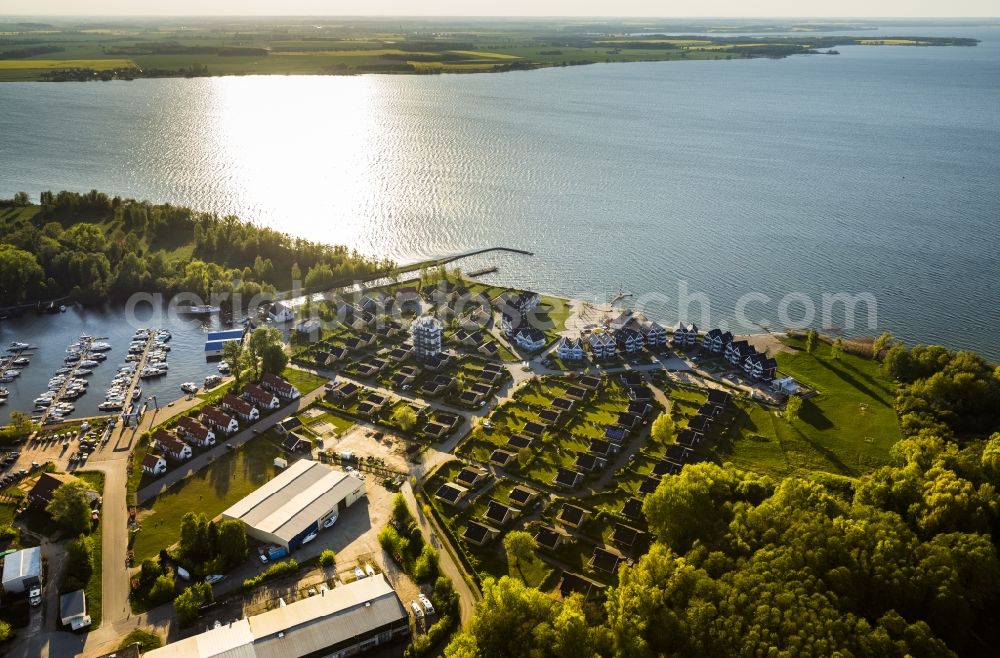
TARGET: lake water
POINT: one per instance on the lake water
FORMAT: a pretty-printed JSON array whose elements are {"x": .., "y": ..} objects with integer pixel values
[{"x": 876, "y": 171}]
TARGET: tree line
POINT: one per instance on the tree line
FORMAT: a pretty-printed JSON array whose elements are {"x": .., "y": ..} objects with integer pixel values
[
  {"x": 94, "y": 248},
  {"x": 902, "y": 562}
]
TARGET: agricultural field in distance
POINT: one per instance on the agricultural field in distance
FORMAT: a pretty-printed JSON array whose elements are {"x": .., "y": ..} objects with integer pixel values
[{"x": 87, "y": 49}]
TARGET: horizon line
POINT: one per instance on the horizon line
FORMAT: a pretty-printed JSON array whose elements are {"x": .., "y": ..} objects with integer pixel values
[{"x": 514, "y": 17}]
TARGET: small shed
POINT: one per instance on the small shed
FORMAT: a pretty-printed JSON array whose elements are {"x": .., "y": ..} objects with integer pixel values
[{"x": 73, "y": 610}]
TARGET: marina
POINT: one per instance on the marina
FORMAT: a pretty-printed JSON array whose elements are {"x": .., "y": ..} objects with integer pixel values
[
  {"x": 44, "y": 339},
  {"x": 69, "y": 382}
]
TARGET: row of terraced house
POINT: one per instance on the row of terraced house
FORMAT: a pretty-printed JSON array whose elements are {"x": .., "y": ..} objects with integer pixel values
[{"x": 223, "y": 418}]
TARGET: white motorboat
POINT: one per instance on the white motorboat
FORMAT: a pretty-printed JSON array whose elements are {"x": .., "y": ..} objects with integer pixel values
[
  {"x": 330, "y": 521},
  {"x": 100, "y": 347},
  {"x": 308, "y": 538},
  {"x": 203, "y": 309},
  {"x": 111, "y": 405},
  {"x": 21, "y": 346},
  {"x": 21, "y": 361}
]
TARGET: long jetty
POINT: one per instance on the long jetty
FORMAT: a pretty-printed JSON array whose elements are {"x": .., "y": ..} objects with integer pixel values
[
  {"x": 129, "y": 404},
  {"x": 401, "y": 269}
]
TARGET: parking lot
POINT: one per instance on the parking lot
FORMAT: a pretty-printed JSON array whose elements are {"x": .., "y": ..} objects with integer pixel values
[{"x": 354, "y": 538}]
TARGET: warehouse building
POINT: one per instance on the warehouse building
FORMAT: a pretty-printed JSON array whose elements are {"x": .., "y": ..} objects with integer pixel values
[
  {"x": 344, "y": 621},
  {"x": 296, "y": 502},
  {"x": 21, "y": 567}
]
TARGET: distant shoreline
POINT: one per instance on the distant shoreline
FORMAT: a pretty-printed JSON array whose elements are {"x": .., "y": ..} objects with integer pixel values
[{"x": 81, "y": 55}]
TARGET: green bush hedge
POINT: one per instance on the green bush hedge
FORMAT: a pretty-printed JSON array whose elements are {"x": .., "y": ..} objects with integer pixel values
[{"x": 275, "y": 570}]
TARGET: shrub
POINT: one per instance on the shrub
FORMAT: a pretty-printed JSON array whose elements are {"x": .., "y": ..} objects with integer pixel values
[
  {"x": 425, "y": 569},
  {"x": 79, "y": 565},
  {"x": 189, "y": 603},
  {"x": 275, "y": 570},
  {"x": 146, "y": 640},
  {"x": 436, "y": 634},
  {"x": 162, "y": 590}
]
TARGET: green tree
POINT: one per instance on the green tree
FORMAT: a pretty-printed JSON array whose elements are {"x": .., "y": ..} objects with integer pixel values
[
  {"x": 22, "y": 424},
  {"x": 232, "y": 543},
  {"x": 425, "y": 569},
  {"x": 265, "y": 342},
  {"x": 194, "y": 544},
  {"x": 233, "y": 354},
  {"x": 837, "y": 349},
  {"x": 5, "y": 631},
  {"x": 812, "y": 341},
  {"x": 792, "y": 408},
  {"x": 520, "y": 547},
  {"x": 327, "y": 558},
  {"x": 663, "y": 430},
  {"x": 882, "y": 344},
  {"x": 188, "y": 603},
  {"x": 162, "y": 590},
  {"x": 79, "y": 564},
  {"x": 511, "y": 621},
  {"x": 20, "y": 275},
  {"x": 405, "y": 417},
  {"x": 70, "y": 507},
  {"x": 273, "y": 359}
]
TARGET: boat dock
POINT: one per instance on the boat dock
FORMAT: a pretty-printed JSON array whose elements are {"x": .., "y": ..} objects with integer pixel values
[
  {"x": 137, "y": 375},
  {"x": 14, "y": 361},
  {"x": 482, "y": 272},
  {"x": 57, "y": 406}
]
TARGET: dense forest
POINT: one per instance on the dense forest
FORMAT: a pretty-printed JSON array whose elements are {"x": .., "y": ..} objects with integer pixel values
[
  {"x": 93, "y": 248},
  {"x": 900, "y": 562}
]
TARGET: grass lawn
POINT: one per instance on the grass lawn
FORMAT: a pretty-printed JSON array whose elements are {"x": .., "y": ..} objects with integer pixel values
[
  {"x": 847, "y": 429},
  {"x": 93, "y": 589},
  {"x": 213, "y": 489},
  {"x": 306, "y": 382}
]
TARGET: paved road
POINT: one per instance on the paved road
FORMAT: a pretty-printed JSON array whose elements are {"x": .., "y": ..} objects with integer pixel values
[{"x": 467, "y": 596}]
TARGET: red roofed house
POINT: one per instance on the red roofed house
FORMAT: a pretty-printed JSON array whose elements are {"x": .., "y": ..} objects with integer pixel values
[
  {"x": 279, "y": 385},
  {"x": 154, "y": 465},
  {"x": 171, "y": 445},
  {"x": 243, "y": 409},
  {"x": 195, "y": 432},
  {"x": 260, "y": 398},
  {"x": 220, "y": 420}
]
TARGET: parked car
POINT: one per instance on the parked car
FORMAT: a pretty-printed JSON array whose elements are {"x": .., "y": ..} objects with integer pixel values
[
  {"x": 214, "y": 578},
  {"x": 358, "y": 573},
  {"x": 263, "y": 558}
]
